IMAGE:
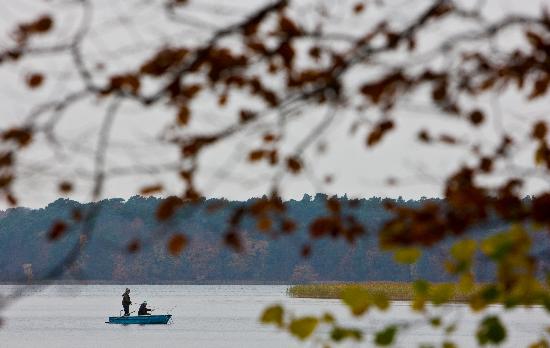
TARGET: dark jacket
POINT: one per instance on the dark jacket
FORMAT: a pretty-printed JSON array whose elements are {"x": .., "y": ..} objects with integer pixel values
[
  {"x": 143, "y": 310},
  {"x": 126, "y": 299}
]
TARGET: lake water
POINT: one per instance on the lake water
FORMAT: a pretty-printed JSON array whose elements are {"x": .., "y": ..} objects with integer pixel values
[{"x": 209, "y": 316}]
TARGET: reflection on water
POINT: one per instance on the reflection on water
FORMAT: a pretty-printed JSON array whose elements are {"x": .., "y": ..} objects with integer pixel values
[{"x": 209, "y": 316}]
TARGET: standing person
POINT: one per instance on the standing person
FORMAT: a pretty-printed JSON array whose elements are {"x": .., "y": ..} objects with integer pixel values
[{"x": 126, "y": 302}]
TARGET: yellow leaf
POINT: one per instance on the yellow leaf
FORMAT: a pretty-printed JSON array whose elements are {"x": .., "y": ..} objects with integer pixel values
[
  {"x": 357, "y": 299},
  {"x": 380, "y": 300},
  {"x": 303, "y": 327},
  {"x": 407, "y": 255},
  {"x": 464, "y": 250},
  {"x": 273, "y": 315},
  {"x": 441, "y": 293}
]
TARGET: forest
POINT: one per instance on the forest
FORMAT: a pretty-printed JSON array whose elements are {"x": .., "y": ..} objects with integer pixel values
[{"x": 128, "y": 244}]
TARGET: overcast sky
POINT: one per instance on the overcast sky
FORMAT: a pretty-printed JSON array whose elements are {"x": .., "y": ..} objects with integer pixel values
[{"x": 123, "y": 33}]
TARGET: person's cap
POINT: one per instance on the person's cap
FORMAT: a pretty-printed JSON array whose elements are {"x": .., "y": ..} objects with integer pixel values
[
  {"x": 145, "y": 302},
  {"x": 127, "y": 289}
]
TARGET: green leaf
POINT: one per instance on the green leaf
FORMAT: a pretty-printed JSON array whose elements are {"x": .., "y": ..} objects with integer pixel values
[
  {"x": 421, "y": 287},
  {"x": 540, "y": 344},
  {"x": 464, "y": 250},
  {"x": 441, "y": 293},
  {"x": 328, "y": 318},
  {"x": 357, "y": 299},
  {"x": 339, "y": 334},
  {"x": 303, "y": 327},
  {"x": 491, "y": 331},
  {"x": 435, "y": 321},
  {"x": 407, "y": 255},
  {"x": 380, "y": 300},
  {"x": 448, "y": 344},
  {"x": 273, "y": 315},
  {"x": 386, "y": 336}
]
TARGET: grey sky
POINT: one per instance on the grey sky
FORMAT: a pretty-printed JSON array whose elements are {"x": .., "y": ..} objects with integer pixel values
[{"x": 124, "y": 33}]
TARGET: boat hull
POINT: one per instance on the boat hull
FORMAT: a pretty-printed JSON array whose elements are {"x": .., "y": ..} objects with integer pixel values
[{"x": 140, "y": 319}]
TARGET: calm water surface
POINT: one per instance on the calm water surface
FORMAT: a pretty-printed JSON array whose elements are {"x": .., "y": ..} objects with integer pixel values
[{"x": 209, "y": 316}]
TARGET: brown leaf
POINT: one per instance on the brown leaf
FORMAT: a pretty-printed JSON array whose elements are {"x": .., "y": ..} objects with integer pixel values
[
  {"x": 35, "y": 80},
  {"x": 315, "y": 52},
  {"x": 540, "y": 87},
  {"x": 264, "y": 223},
  {"x": 246, "y": 116},
  {"x": 176, "y": 244},
  {"x": 184, "y": 115},
  {"x": 539, "y": 130},
  {"x": 305, "y": 251},
  {"x": 57, "y": 230},
  {"x": 222, "y": 100},
  {"x": 12, "y": 201},
  {"x": 133, "y": 246},
  {"x": 486, "y": 165},
  {"x": 163, "y": 61},
  {"x": 269, "y": 137},
  {"x": 358, "y": 7},
  {"x": 149, "y": 190},
  {"x": 41, "y": 25},
  {"x": 256, "y": 155},
  {"x": 6, "y": 159},
  {"x": 447, "y": 139},
  {"x": 21, "y": 136},
  {"x": 423, "y": 136},
  {"x": 294, "y": 164},
  {"x": 65, "y": 187},
  {"x": 286, "y": 51},
  {"x": 168, "y": 207},
  {"x": 5, "y": 180},
  {"x": 76, "y": 215},
  {"x": 378, "y": 132},
  {"x": 289, "y": 27},
  {"x": 125, "y": 82},
  {"x": 288, "y": 226},
  {"x": 333, "y": 205},
  {"x": 476, "y": 117},
  {"x": 233, "y": 240}
]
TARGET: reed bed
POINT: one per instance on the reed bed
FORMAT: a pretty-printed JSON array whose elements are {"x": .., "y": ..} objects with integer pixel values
[{"x": 394, "y": 291}]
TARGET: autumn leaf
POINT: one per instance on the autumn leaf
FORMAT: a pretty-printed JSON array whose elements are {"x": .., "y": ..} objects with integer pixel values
[
  {"x": 338, "y": 334},
  {"x": 407, "y": 255},
  {"x": 21, "y": 136},
  {"x": 294, "y": 164},
  {"x": 358, "y": 300},
  {"x": 273, "y": 315},
  {"x": 233, "y": 240},
  {"x": 358, "y": 7},
  {"x": 34, "y": 80},
  {"x": 539, "y": 130},
  {"x": 386, "y": 336},
  {"x": 149, "y": 190},
  {"x": 65, "y": 187},
  {"x": 303, "y": 327},
  {"x": 491, "y": 331},
  {"x": 57, "y": 230},
  {"x": 184, "y": 115},
  {"x": 256, "y": 155},
  {"x": 476, "y": 117},
  {"x": 6, "y": 159},
  {"x": 133, "y": 246},
  {"x": 168, "y": 207},
  {"x": 176, "y": 244}
]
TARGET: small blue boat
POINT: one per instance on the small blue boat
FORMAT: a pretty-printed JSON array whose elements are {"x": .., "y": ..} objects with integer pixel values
[{"x": 140, "y": 319}]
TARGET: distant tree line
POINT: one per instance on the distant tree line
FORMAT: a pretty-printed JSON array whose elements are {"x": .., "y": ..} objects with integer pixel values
[{"x": 128, "y": 244}]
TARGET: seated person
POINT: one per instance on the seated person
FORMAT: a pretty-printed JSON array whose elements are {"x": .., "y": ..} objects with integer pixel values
[{"x": 143, "y": 310}]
